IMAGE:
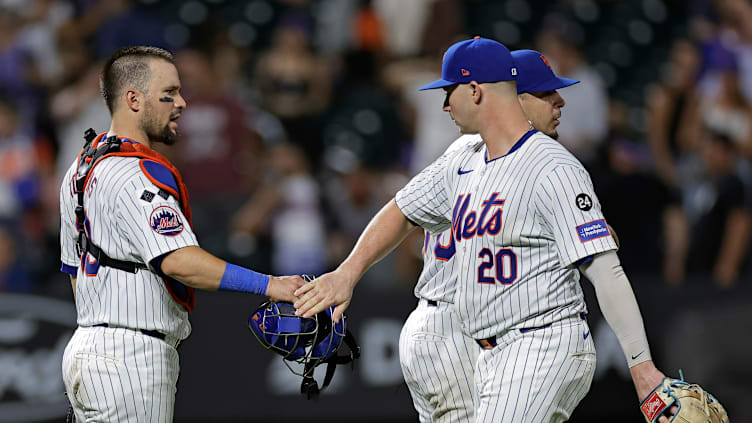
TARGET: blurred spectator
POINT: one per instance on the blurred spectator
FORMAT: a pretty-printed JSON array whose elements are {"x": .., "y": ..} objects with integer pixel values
[
  {"x": 19, "y": 74},
  {"x": 77, "y": 105},
  {"x": 672, "y": 109},
  {"x": 42, "y": 20},
  {"x": 723, "y": 107},
  {"x": 721, "y": 228},
  {"x": 409, "y": 27},
  {"x": 364, "y": 117},
  {"x": 645, "y": 213},
  {"x": 584, "y": 125},
  {"x": 331, "y": 17},
  {"x": 219, "y": 155},
  {"x": 21, "y": 161},
  {"x": 288, "y": 207},
  {"x": 368, "y": 28},
  {"x": 735, "y": 32},
  {"x": 354, "y": 194},
  {"x": 13, "y": 274},
  {"x": 229, "y": 67},
  {"x": 295, "y": 84},
  {"x": 116, "y": 28},
  {"x": 432, "y": 128}
]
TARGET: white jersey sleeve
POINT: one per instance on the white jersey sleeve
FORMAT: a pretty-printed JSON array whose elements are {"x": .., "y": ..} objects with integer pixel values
[
  {"x": 68, "y": 232},
  {"x": 427, "y": 199},
  {"x": 438, "y": 280},
  {"x": 152, "y": 222},
  {"x": 572, "y": 213}
]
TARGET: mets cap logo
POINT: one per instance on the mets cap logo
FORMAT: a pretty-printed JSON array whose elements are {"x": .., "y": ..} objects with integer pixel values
[{"x": 166, "y": 221}]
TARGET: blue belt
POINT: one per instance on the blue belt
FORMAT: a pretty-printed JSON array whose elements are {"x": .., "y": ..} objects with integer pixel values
[
  {"x": 490, "y": 342},
  {"x": 154, "y": 333}
]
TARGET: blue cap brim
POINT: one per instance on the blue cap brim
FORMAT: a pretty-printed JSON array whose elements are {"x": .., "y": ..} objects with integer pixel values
[
  {"x": 551, "y": 85},
  {"x": 440, "y": 83}
]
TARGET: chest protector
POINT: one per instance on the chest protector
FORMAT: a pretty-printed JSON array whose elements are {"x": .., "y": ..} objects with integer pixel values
[{"x": 95, "y": 150}]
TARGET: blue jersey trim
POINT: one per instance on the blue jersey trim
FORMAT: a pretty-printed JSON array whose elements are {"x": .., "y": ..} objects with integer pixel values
[
  {"x": 515, "y": 147},
  {"x": 160, "y": 173},
  {"x": 71, "y": 270},
  {"x": 584, "y": 260}
]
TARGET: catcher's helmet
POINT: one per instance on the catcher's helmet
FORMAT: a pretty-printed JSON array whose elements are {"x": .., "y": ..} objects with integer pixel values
[{"x": 310, "y": 341}]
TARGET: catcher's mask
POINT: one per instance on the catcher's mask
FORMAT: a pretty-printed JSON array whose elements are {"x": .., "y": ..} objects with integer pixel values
[{"x": 310, "y": 341}]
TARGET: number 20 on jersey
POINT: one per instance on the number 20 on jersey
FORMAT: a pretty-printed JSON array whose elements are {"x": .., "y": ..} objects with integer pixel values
[{"x": 500, "y": 266}]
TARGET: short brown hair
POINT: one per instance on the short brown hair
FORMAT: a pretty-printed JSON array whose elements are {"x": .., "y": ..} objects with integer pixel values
[{"x": 128, "y": 67}]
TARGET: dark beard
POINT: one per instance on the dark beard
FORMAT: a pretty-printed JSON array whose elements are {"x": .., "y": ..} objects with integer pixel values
[
  {"x": 167, "y": 137},
  {"x": 164, "y": 136}
]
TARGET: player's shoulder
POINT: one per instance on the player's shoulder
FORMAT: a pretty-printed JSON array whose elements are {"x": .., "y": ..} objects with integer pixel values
[
  {"x": 549, "y": 154},
  {"x": 129, "y": 173},
  {"x": 465, "y": 142}
]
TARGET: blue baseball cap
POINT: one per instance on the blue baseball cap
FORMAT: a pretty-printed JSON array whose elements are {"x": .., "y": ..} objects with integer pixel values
[
  {"x": 477, "y": 59},
  {"x": 534, "y": 74}
]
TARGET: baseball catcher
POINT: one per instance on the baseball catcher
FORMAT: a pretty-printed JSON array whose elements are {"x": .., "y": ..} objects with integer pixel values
[
  {"x": 694, "y": 404},
  {"x": 309, "y": 341}
]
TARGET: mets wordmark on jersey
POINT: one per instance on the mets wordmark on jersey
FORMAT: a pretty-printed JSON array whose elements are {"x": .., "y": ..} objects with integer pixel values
[{"x": 519, "y": 223}]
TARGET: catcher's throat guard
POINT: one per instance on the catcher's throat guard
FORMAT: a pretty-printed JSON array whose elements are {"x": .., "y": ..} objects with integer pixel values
[{"x": 310, "y": 341}]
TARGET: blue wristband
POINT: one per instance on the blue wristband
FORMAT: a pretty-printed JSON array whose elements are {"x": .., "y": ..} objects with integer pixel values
[{"x": 237, "y": 278}]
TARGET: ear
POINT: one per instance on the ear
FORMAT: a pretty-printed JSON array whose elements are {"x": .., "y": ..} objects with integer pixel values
[
  {"x": 477, "y": 91},
  {"x": 134, "y": 99}
]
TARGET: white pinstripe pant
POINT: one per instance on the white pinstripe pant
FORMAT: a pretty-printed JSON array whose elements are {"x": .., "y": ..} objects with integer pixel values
[
  {"x": 538, "y": 376},
  {"x": 437, "y": 362},
  {"x": 120, "y": 375}
]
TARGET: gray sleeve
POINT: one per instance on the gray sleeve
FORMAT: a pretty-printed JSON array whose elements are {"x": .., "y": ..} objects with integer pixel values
[{"x": 619, "y": 305}]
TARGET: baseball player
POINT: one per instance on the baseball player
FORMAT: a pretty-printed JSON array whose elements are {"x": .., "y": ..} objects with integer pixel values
[
  {"x": 128, "y": 246},
  {"x": 437, "y": 359},
  {"x": 523, "y": 219}
]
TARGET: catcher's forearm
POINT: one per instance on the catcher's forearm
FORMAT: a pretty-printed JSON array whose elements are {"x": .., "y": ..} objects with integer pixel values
[
  {"x": 199, "y": 269},
  {"x": 619, "y": 306},
  {"x": 383, "y": 234}
]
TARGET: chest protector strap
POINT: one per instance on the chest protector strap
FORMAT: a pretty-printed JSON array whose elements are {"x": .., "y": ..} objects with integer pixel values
[{"x": 95, "y": 149}]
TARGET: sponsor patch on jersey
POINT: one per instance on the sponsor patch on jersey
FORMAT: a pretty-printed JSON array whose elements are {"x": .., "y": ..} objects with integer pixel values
[
  {"x": 164, "y": 194},
  {"x": 166, "y": 221},
  {"x": 584, "y": 202},
  {"x": 593, "y": 230},
  {"x": 147, "y": 196}
]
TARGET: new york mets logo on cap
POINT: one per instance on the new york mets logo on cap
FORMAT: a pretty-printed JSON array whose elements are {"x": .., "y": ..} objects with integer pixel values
[
  {"x": 536, "y": 74},
  {"x": 477, "y": 59},
  {"x": 166, "y": 221}
]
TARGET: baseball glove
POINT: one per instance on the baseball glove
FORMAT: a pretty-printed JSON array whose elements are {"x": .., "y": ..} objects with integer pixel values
[{"x": 695, "y": 405}]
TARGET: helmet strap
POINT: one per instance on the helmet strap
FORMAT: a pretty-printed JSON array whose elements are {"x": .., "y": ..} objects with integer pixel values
[{"x": 309, "y": 387}]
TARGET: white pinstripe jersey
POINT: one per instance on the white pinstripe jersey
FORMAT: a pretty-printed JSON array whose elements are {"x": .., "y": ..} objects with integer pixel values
[
  {"x": 519, "y": 223},
  {"x": 438, "y": 279},
  {"x": 120, "y": 217}
]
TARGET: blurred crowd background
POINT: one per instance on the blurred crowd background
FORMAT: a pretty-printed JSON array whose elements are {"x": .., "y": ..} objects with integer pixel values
[{"x": 304, "y": 118}]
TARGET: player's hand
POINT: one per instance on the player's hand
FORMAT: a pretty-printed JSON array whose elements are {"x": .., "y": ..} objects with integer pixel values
[
  {"x": 282, "y": 288},
  {"x": 331, "y": 289},
  {"x": 646, "y": 377}
]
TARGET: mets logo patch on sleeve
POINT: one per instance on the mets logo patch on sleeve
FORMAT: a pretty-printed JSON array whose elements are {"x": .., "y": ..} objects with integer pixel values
[
  {"x": 592, "y": 230},
  {"x": 166, "y": 221}
]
